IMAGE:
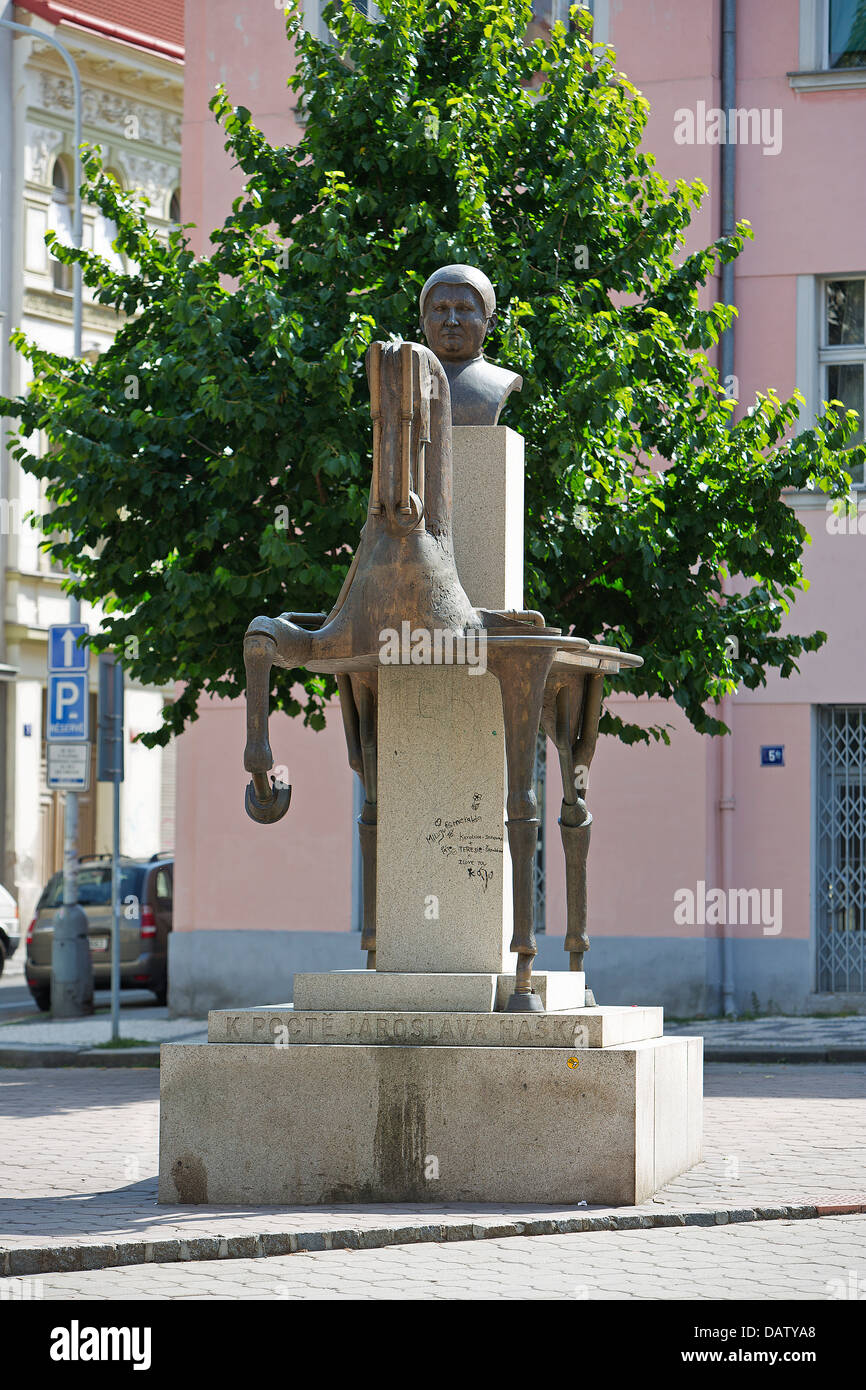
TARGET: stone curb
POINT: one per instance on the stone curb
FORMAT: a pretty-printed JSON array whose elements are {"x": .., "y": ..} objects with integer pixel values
[
  {"x": 61, "y": 1259},
  {"x": 782, "y": 1052},
  {"x": 26, "y": 1056}
]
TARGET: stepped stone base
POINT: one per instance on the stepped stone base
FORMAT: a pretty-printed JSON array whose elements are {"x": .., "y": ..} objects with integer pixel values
[
  {"x": 314, "y": 1124},
  {"x": 434, "y": 993}
]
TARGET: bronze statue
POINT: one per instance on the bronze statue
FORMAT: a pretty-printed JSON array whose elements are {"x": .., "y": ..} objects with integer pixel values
[
  {"x": 458, "y": 309},
  {"x": 404, "y": 571}
]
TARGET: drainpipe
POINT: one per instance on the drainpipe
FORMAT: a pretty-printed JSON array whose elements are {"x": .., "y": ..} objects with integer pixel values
[{"x": 727, "y": 801}]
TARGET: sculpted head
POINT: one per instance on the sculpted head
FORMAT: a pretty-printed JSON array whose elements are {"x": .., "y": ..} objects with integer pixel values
[{"x": 458, "y": 309}]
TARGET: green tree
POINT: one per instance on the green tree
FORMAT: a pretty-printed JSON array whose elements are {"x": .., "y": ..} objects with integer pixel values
[{"x": 213, "y": 464}]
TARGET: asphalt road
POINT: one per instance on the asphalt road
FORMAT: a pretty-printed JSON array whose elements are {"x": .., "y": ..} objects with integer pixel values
[{"x": 16, "y": 1001}]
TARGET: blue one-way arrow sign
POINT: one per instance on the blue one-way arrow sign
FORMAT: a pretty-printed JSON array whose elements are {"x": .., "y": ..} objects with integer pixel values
[{"x": 64, "y": 653}]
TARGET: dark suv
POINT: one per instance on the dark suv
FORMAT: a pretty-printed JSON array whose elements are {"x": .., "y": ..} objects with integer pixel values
[{"x": 146, "y": 892}]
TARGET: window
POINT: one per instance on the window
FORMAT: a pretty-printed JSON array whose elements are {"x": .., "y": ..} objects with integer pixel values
[
  {"x": 547, "y": 13},
  {"x": 315, "y": 24},
  {"x": 162, "y": 886},
  {"x": 94, "y": 886},
  {"x": 832, "y": 45},
  {"x": 845, "y": 34},
  {"x": 842, "y": 355},
  {"x": 174, "y": 207},
  {"x": 61, "y": 223}
]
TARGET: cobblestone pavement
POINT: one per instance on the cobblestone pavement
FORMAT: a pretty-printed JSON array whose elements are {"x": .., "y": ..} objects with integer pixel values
[
  {"x": 783, "y": 1260},
  {"x": 777, "y": 1031},
  {"x": 78, "y": 1156}
]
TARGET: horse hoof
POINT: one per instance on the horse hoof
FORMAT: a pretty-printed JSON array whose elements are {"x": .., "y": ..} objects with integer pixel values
[{"x": 267, "y": 812}]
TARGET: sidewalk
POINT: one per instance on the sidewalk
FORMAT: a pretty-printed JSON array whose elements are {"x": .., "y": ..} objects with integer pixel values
[
  {"x": 41, "y": 1042},
  {"x": 78, "y": 1155},
  {"x": 44, "y": 1042},
  {"x": 780, "y": 1038}
]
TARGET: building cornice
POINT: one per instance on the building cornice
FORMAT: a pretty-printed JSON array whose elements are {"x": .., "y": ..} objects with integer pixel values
[
  {"x": 68, "y": 17},
  {"x": 57, "y": 308},
  {"x": 106, "y": 64}
]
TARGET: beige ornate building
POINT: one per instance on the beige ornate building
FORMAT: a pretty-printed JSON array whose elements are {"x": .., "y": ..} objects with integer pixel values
[{"x": 132, "y": 100}]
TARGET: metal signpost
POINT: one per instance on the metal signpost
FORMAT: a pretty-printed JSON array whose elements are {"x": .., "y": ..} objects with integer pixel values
[
  {"x": 109, "y": 768},
  {"x": 67, "y": 737}
]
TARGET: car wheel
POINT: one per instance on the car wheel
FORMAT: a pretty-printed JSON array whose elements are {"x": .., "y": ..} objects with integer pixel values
[
  {"x": 41, "y": 998},
  {"x": 161, "y": 995},
  {"x": 2, "y": 957}
]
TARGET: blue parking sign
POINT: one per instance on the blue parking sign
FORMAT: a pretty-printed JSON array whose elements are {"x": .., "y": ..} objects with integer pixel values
[
  {"x": 64, "y": 653},
  {"x": 67, "y": 707}
]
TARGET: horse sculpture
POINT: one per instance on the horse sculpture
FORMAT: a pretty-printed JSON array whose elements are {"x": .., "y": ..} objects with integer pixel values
[{"x": 404, "y": 571}]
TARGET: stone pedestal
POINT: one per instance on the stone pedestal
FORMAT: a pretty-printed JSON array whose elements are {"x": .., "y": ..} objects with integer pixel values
[
  {"x": 308, "y": 1124},
  {"x": 443, "y": 871},
  {"x": 411, "y": 1082},
  {"x": 488, "y": 514}
]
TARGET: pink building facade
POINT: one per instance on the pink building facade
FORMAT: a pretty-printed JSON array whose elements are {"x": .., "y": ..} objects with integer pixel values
[{"x": 770, "y": 822}]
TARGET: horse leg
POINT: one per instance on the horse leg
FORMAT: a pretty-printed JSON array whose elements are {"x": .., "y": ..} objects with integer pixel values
[
  {"x": 575, "y": 823},
  {"x": 367, "y": 821},
  {"x": 265, "y": 802},
  {"x": 522, "y": 673}
]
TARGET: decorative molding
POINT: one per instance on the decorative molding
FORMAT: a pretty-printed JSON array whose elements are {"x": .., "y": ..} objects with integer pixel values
[
  {"x": 811, "y": 30},
  {"x": 805, "y": 501},
  {"x": 153, "y": 177},
  {"x": 113, "y": 112},
  {"x": 827, "y": 79},
  {"x": 40, "y": 145},
  {"x": 57, "y": 306}
]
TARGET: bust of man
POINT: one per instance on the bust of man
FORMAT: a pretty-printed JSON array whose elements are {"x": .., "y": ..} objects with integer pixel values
[{"x": 458, "y": 308}]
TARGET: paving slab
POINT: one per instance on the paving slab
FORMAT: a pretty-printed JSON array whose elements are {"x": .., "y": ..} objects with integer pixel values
[
  {"x": 820, "y": 1260},
  {"x": 78, "y": 1152},
  {"x": 779, "y": 1037}
]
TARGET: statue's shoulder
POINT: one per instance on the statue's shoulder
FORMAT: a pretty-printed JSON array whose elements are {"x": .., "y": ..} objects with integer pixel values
[
  {"x": 504, "y": 376},
  {"x": 479, "y": 390}
]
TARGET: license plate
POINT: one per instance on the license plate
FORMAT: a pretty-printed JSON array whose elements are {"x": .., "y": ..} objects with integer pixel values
[{"x": 99, "y": 943}]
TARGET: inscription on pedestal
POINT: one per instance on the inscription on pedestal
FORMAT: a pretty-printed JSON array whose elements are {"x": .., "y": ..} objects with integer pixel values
[
  {"x": 282, "y": 1026},
  {"x": 479, "y": 1030},
  {"x": 454, "y": 1030}
]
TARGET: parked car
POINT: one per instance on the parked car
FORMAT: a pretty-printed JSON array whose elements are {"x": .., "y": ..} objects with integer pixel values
[
  {"x": 146, "y": 893},
  {"x": 10, "y": 934}
]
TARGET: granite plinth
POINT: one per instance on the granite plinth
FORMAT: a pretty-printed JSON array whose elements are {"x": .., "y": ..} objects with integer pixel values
[
  {"x": 446, "y": 992},
  {"x": 311, "y": 1124}
]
